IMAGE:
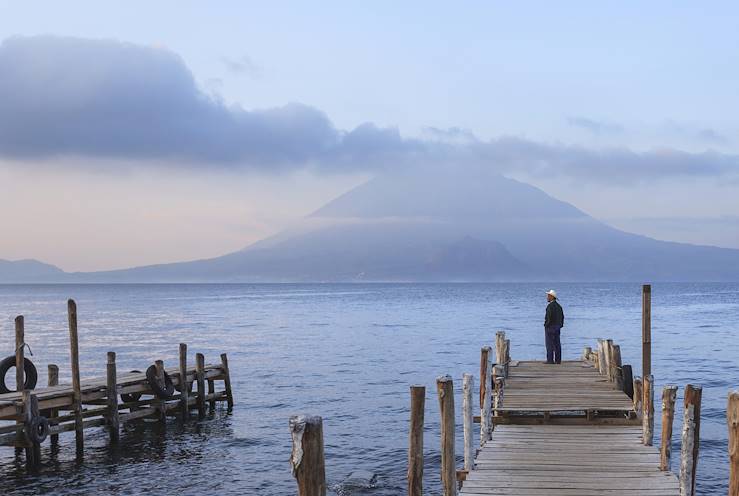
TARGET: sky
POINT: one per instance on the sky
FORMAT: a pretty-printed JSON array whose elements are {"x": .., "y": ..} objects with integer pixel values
[{"x": 147, "y": 132}]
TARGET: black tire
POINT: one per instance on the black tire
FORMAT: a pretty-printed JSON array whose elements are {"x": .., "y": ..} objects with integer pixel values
[
  {"x": 162, "y": 391},
  {"x": 37, "y": 429},
  {"x": 131, "y": 397},
  {"x": 628, "y": 381},
  {"x": 28, "y": 367}
]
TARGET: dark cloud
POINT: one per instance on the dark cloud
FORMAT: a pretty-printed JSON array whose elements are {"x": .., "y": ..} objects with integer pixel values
[
  {"x": 595, "y": 127},
  {"x": 106, "y": 99}
]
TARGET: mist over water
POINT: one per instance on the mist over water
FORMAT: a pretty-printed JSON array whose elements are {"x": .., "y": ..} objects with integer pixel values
[{"x": 348, "y": 353}]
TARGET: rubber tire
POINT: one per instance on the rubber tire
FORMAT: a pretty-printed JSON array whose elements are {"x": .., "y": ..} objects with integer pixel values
[
  {"x": 28, "y": 367},
  {"x": 160, "y": 392},
  {"x": 628, "y": 381},
  {"x": 37, "y": 430},
  {"x": 131, "y": 397}
]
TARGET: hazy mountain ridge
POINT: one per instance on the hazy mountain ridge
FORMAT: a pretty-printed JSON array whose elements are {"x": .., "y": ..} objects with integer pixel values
[
  {"x": 442, "y": 227},
  {"x": 29, "y": 270}
]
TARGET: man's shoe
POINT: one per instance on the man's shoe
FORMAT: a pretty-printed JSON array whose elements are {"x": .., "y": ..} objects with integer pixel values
[{"x": 549, "y": 363}]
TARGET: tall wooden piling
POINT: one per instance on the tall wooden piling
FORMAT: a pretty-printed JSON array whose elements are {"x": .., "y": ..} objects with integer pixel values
[
  {"x": 76, "y": 387},
  {"x": 690, "y": 439},
  {"x": 19, "y": 369},
  {"x": 602, "y": 356},
  {"x": 608, "y": 348},
  {"x": 468, "y": 382},
  {"x": 161, "y": 402},
  {"x": 507, "y": 357},
  {"x": 486, "y": 426},
  {"x": 227, "y": 380},
  {"x": 307, "y": 458},
  {"x": 732, "y": 420},
  {"x": 112, "y": 394},
  {"x": 184, "y": 385},
  {"x": 415, "y": 441},
  {"x": 485, "y": 358},
  {"x": 648, "y": 410},
  {"x": 499, "y": 344},
  {"x": 669, "y": 394},
  {"x": 30, "y": 410},
  {"x": 646, "y": 330},
  {"x": 53, "y": 380},
  {"x": 200, "y": 377},
  {"x": 586, "y": 353},
  {"x": 20, "y": 344},
  {"x": 445, "y": 391}
]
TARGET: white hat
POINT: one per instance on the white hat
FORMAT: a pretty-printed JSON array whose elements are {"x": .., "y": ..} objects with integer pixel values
[{"x": 552, "y": 292}]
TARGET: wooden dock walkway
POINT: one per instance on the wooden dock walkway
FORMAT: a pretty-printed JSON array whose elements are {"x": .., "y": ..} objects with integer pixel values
[{"x": 565, "y": 430}]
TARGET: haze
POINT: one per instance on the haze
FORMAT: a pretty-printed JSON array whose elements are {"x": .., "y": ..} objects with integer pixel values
[{"x": 144, "y": 133}]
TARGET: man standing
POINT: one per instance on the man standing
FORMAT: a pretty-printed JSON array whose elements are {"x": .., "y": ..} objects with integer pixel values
[{"x": 554, "y": 320}]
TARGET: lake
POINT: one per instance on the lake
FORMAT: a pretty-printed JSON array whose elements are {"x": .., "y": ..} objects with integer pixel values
[{"x": 346, "y": 352}]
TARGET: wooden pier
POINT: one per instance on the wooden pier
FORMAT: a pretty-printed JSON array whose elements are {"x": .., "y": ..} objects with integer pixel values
[{"x": 30, "y": 415}]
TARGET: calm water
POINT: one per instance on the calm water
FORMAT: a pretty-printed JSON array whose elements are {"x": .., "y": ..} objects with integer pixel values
[{"x": 347, "y": 353}]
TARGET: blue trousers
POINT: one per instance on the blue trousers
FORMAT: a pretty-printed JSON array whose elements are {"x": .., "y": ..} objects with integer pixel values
[{"x": 554, "y": 347}]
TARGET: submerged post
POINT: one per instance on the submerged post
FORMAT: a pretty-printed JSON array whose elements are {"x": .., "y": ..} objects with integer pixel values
[
  {"x": 445, "y": 390},
  {"x": 77, "y": 392},
  {"x": 112, "y": 394},
  {"x": 732, "y": 419},
  {"x": 307, "y": 458},
  {"x": 669, "y": 393},
  {"x": 184, "y": 386},
  {"x": 468, "y": 382},
  {"x": 484, "y": 372},
  {"x": 646, "y": 329},
  {"x": 227, "y": 381},
  {"x": 648, "y": 409},
  {"x": 200, "y": 377},
  {"x": 415, "y": 441},
  {"x": 690, "y": 439},
  {"x": 53, "y": 376},
  {"x": 486, "y": 426}
]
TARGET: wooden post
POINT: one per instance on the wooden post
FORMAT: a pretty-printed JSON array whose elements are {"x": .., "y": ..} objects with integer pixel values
[
  {"x": 602, "y": 356},
  {"x": 77, "y": 392},
  {"x": 618, "y": 374},
  {"x": 200, "y": 377},
  {"x": 586, "y": 353},
  {"x": 507, "y": 357},
  {"x": 646, "y": 330},
  {"x": 499, "y": 344},
  {"x": 648, "y": 408},
  {"x": 445, "y": 390},
  {"x": 211, "y": 391},
  {"x": 486, "y": 426},
  {"x": 638, "y": 395},
  {"x": 732, "y": 419},
  {"x": 184, "y": 386},
  {"x": 20, "y": 344},
  {"x": 19, "y": 377},
  {"x": 307, "y": 458},
  {"x": 162, "y": 403},
  {"x": 112, "y": 393},
  {"x": 415, "y": 441},
  {"x": 468, "y": 382},
  {"x": 608, "y": 349},
  {"x": 499, "y": 382},
  {"x": 484, "y": 377},
  {"x": 690, "y": 440},
  {"x": 53, "y": 372},
  {"x": 669, "y": 393},
  {"x": 30, "y": 410},
  {"x": 227, "y": 380}
]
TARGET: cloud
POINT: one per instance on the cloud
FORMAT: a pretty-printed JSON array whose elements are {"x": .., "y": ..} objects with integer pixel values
[
  {"x": 105, "y": 99},
  {"x": 595, "y": 127},
  {"x": 710, "y": 136}
]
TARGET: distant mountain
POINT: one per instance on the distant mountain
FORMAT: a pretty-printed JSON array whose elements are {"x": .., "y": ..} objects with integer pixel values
[
  {"x": 27, "y": 271},
  {"x": 442, "y": 226}
]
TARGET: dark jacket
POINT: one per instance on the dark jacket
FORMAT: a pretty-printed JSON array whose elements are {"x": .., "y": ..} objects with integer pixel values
[{"x": 554, "y": 317}]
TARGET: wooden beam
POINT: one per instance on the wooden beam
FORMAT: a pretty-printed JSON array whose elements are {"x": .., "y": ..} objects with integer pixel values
[
  {"x": 77, "y": 392},
  {"x": 112, "y": 400},
  {"x": 307, "y": 458},
  {"x": 690, "y": 439},
  {"x": 445, "y": 391},
  {"x": 669, "y": 393},
  {"x": 732, "y": 419},
  {"x": 646, "y": 330},
  {"x": 468, "y": 382}
]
